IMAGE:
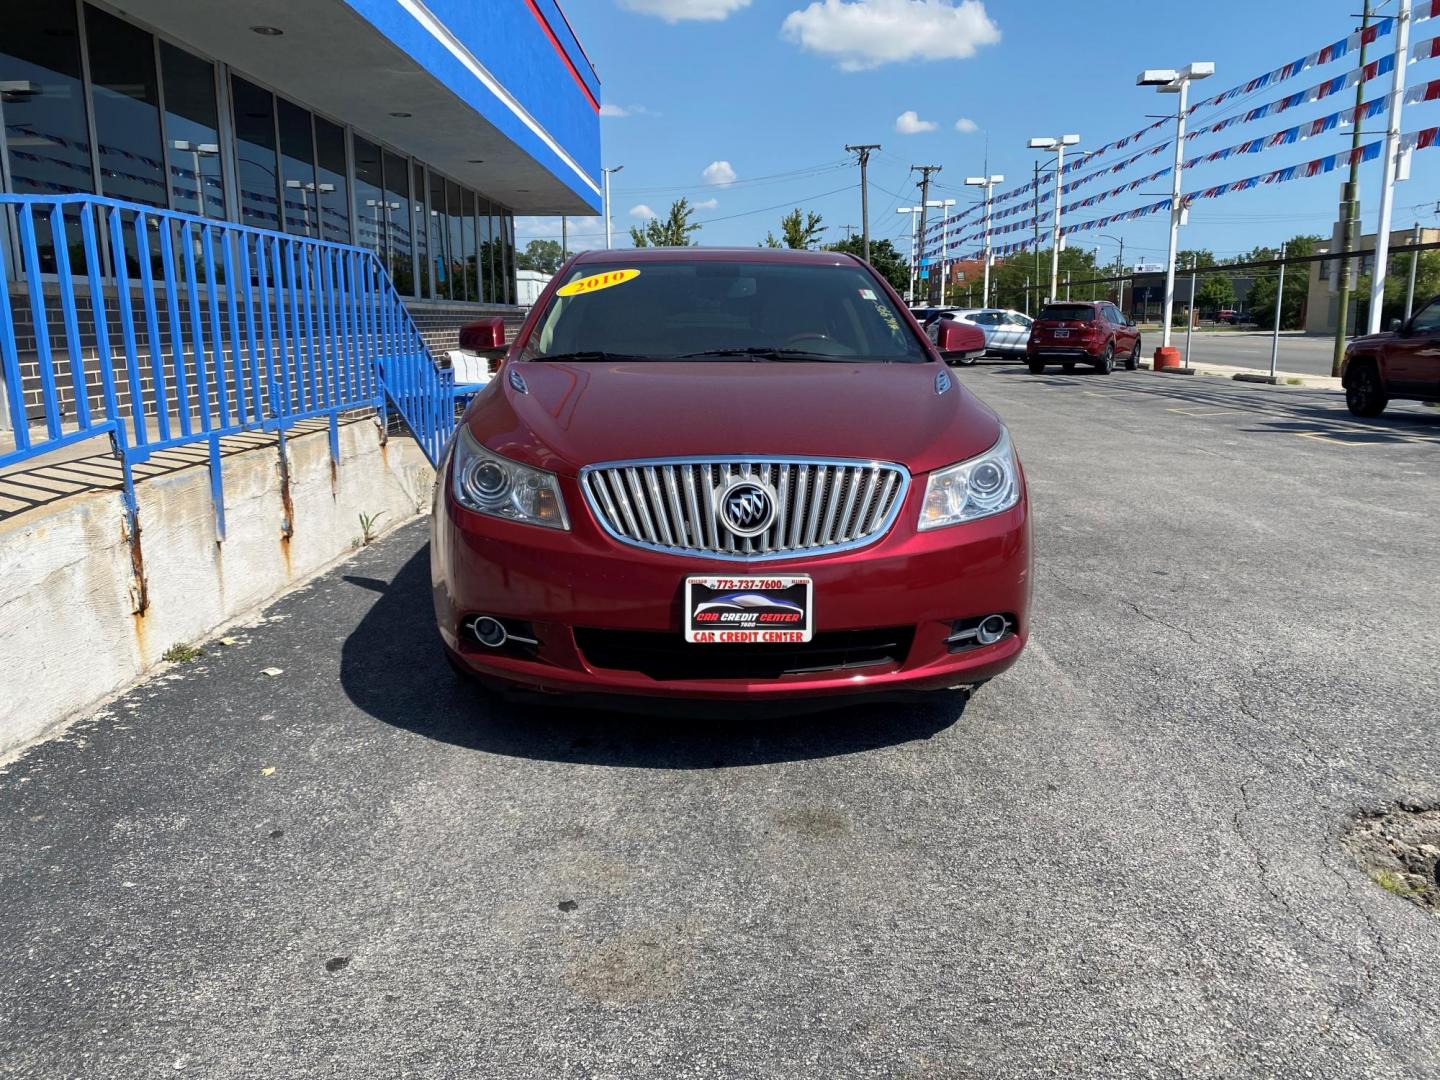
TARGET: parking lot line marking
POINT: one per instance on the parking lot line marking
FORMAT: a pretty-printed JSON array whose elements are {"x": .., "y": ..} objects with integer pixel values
[{"x": 1201, "y": 412}]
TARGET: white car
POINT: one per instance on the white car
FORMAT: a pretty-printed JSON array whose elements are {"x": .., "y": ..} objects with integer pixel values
[{"x": 1006, "y": 331}]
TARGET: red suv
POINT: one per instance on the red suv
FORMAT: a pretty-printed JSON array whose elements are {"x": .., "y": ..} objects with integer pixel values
[
  {"x": 1404, "y": 363},
  {"x": 1091, "y": 332}
]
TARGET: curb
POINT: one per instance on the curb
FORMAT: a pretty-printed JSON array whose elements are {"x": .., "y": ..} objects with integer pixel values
[{"x": 1245, "y": 376}]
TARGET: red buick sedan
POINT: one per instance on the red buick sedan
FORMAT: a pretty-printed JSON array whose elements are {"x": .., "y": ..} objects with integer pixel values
[{"x": 729, "y": 474}]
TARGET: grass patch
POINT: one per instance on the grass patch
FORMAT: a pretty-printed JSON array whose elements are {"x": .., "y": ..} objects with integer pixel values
[
  {"x": 182, "y": 653},
  {"x": 1392, "y": 882}
]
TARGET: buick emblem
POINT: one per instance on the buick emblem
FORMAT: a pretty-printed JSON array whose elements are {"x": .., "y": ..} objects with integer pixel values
[{"x": 747, "y": 508}]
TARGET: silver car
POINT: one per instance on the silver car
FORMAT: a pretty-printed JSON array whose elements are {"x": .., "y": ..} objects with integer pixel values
[{"x": 1006, "y": 331}]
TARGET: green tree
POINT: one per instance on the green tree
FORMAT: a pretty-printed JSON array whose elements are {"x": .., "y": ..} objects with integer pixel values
[
  {"x": 1397, "y": 285},
  {"x": 883, "y": 256},
  {"x": 1008, "y": 280},
  {"x": 1216, "y": 291},
  {"x": 542, "y": 255},
  {"x": 1297, "y": 283},
  {"x": 1199, "y": 257},
  {"x": 674, "y": 230},
  {"x": 798, "y": 229}
]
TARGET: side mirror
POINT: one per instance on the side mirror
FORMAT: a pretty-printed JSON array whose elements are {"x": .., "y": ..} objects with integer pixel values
[
  {"x": 958, "y": 340},
  {"x": 1397, "y": 325},
  {"x": 485, "y": 337}
]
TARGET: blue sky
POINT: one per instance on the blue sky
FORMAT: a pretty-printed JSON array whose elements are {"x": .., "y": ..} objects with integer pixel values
[{"x": 772, "y": 90}]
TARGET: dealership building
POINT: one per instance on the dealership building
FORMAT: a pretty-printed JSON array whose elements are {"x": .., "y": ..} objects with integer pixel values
[{"x": 415, "y": 130}]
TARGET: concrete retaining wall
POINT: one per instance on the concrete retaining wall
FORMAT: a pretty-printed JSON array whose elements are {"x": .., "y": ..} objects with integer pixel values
[{"x": 69, "y": 631}]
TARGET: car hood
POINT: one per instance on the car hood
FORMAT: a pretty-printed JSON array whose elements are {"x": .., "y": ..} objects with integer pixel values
[
  {"x": 1370, "y": 341},
  {"x": 572, "y": 415}
]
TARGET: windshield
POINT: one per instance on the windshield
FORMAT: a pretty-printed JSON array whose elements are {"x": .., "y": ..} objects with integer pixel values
[
  {"x": 707, "y": 309},
  {"x": 1068, "y": 313}
]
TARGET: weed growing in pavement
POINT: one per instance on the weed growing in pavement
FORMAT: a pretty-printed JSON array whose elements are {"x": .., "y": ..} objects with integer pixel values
[
  {"x": 367, "y": 527},
  {"x": 181, "y": 653}
]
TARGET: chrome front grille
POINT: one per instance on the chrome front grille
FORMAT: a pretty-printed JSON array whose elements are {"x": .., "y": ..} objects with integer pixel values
[{"x": 673, "y": 504}]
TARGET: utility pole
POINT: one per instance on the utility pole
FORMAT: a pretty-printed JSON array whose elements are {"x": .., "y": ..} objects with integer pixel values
[
  {"x": 1392, "y": 165},
  {"x": 848, "y": 230},
  {"x": 1279, "y": 304},
  {"x": 924, "y": 185},
  {"x": 863, "y": 152},
  {"x": 564, "y": 237},
  {"x": 1350, "y": 208}
]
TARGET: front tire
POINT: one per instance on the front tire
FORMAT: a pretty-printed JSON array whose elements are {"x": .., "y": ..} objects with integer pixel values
[
  {"x": 1364, "y": 393},
  {"x": 1107, "y": 359}
]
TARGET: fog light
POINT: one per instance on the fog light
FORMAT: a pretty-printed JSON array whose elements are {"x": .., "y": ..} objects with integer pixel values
[
  {"x": 991, "y": 629},
  {"x": 488, "y": 631}
]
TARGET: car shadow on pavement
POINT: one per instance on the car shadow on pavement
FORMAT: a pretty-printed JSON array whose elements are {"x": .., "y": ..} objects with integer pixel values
[{"x": 393, "y": 668}]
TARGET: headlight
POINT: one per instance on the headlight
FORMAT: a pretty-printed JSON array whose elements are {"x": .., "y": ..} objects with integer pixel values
[
  {"x": 973, "y": 489},
  {"x": 490, "y": 484}
]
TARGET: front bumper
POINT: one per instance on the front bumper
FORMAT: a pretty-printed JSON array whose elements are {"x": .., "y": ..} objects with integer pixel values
[{"x": 583, "y": 580}]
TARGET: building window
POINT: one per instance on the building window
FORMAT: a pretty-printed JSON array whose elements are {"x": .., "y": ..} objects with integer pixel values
[
  {"x": 192, "y": 132},
  {"x": 370, "y": 209},
  {"x": 420, "y": 228},
  {"x": 46, "y": 129},
  {"x": 486, "y": 226},
  {"x": 398, "y": 216},
  {"x": 457, "y": 247},
  {"x": 439, "y": 239},
  {"x": 297, "y": 170},
  {"x": 125, "y": 94},
  {"x": 255, "y": 160},
  {"x": 468, "y": 250},
  {"x": 333, "y": 194}
]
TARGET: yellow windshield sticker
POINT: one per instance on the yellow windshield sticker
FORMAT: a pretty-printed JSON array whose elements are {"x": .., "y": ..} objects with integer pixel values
[{"x": 596, "y": 282}]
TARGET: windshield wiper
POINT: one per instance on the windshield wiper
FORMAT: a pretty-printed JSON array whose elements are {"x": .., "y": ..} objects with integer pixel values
[
  {"x": 765, "y": 352},
  {"x": 595, "y": 356}
]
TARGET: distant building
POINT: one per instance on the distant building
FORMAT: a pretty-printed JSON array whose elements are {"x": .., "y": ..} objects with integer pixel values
[
  {"x": 529, "y": 284},
  {"x": 1323, "y": 299}
]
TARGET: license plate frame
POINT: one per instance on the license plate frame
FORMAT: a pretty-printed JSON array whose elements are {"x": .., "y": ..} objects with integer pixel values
[
  {"x": 1062, "y": 333},
  {"x": 717, "y": 597}
]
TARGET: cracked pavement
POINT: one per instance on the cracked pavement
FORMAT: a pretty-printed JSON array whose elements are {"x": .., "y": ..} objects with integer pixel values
[{"x": 1121, "y": 859}]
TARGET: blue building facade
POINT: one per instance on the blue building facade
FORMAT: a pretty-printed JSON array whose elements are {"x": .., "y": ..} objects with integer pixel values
[{"x": 415, "y": 130}]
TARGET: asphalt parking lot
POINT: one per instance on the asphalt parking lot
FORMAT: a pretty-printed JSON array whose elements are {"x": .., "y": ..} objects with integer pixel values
[{"x": 1121, "y": 859}]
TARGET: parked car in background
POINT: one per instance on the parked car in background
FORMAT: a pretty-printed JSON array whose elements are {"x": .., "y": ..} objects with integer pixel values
[
  {"x": 1404, "y": 363},
  {"x": 1090, "y": 332},
  {"x": 1007, "y": 332}
]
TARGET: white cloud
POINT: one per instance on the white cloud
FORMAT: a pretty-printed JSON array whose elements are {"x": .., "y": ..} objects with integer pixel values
[
  {"x": 718, "y": 172},
  {"x": 616, "y": 112},
  {"x": 966, "y": 126},
  {"x": 708, "y": 204},
  {"x": 864, "y": 34},
  {"x": 673, "y": 11},
  {"x": 909, "y": 123},
  {"x": 640, "y": 210}
]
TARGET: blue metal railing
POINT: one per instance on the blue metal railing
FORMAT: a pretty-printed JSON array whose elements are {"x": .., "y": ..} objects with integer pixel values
[{"x": 161, "y": 329}]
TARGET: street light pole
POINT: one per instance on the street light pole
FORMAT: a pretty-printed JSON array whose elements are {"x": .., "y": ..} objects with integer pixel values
[
  {"x": 1171, "y": 81},
  {"x": 607, "y": 173},
  {"x": 944, "y": 207},
  {"x": 988, "y": 183},
  {"x": 912, "y": 211},
  {"x": 1058, "y": 145},
  {"x": 1392, "y": 165}
]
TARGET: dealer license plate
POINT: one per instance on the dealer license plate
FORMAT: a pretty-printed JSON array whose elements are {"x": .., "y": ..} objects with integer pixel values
[
  {"x": 1062, "y": 333},
  {"x": 748, "y": 610}
]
